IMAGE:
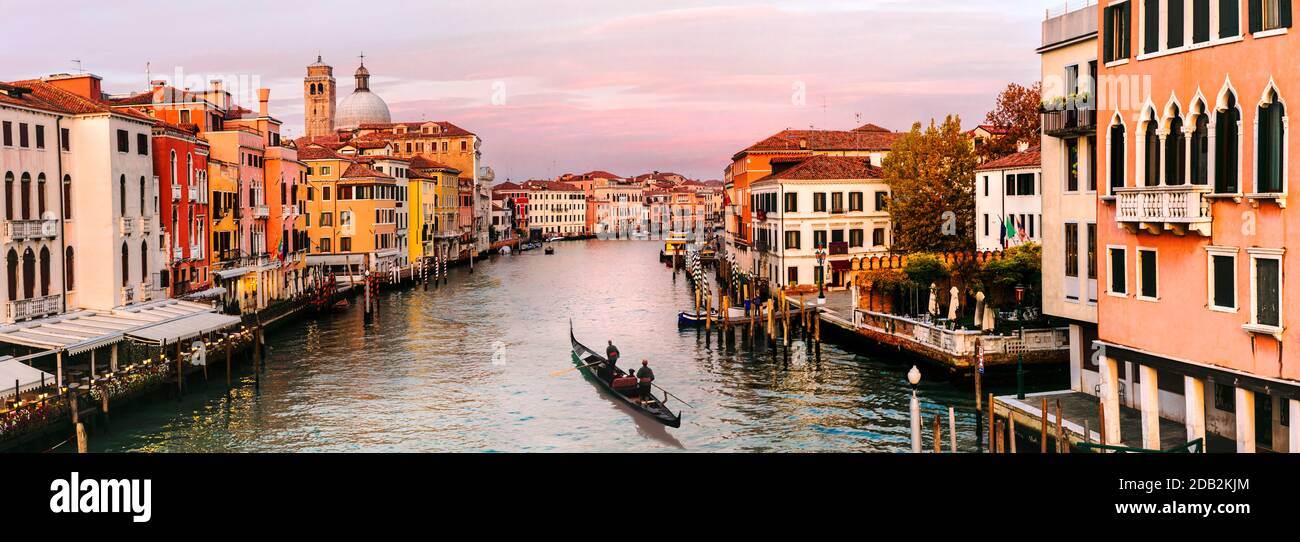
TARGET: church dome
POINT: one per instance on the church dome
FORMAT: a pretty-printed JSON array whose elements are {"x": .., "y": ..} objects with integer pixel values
[{"x": 361, "y": 107}]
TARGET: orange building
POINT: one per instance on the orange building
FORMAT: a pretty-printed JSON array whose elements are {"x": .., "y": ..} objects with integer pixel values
[
  {"x": 1193, "y": 220},
  {"x": 351, "y": 213}
]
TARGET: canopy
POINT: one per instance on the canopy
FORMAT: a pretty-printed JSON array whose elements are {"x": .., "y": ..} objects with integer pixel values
[
  {"x": 840, "y": 265},
  {"x": 184, "y": 328},
  {"x": 28, "y": 377},
  {"x": 86, "y": 330},
  {"x": 235, "y": 272},
  {"x": 208, "y": 293}
]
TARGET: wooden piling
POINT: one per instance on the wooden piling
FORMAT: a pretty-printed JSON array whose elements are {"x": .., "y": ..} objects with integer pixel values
[
  {"x": 1043, "y": 431},
  {"x": 76, "y": 412},
  {"x": 817, "y": 328},
  {"x": 1011, "y": 428},
  {"x": 997, "y": 434},
  {"x": 104, "y": 406},
  {"x": 82, "y": 444},
  {"x": 952, "y": 430},
  {"x": 230, "y": 360},
  {"x": 1101, "y": 423},
  {"x": 992, "y": 421},
  {"x": 204, "y": 340},
  {"x": 1062, "y": 443},
  {"x": 938, "y": 436},
  {"x": 180, "y": 369}
]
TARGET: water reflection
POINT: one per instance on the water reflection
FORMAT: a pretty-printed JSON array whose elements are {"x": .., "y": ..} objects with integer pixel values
[{"x": 422, "y": 376}]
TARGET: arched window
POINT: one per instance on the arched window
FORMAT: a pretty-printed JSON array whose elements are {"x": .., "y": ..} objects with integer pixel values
[
  {"x": 29, "y": 274},
  {"x": 121, "y": 195},
  {"x": 45, "y": 271},
  {"x": 1227, "y": 130},
  {"x": 142, "y": 196},
  {"x": 1175, "y": 150},
  {"x": 126, "y": 264},
  {"x": 11, "y": 268},
  {"x": 9, "y": 196},
  {"x": 189, "y": 169},
  {"x": 40, "y": 196},
  {"x": 67, "y": 197},
  {"x": 69, "y": 280},
  {"x": 1151, "y": 158},
  {"x": 172, "y": 161},
  {"x": 1271, "y": 141},
  {"x": 1201, "y": 146},
  {"x": 144, "y": 261},
  {"x": 25, "y": 196}
]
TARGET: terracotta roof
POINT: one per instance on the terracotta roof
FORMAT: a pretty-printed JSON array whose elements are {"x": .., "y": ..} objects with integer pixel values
[
  {"x": 1031, "y": 157},
  {"x": 868, "y": 127},
  {"x": 51, "y": 98},
  {"x": 826, "y": 140},
  {"x": 420, "y": 162},
  {"x": 550, "y": 185},
  {"x": 506, "y": 186},
  {"x": 362, "y": 171},
  {"x": 600, "y": 174},
  {"x": 822, "y": 167},
  {"x": 448, "y": 129},
  {"x": 315, "y": 151},
  {"x": 990, "y": 128}
]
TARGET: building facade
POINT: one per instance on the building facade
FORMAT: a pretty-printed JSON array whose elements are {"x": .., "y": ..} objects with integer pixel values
[{"x": 1008, "y": 201}]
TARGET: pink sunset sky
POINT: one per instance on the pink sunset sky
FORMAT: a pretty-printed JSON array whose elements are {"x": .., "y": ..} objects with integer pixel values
[{"x": 620, "y": 85}]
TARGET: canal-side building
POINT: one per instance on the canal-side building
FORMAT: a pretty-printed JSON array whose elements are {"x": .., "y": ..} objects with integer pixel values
[
  {"x": 555, "y": 209},
  {"x": 754, "y": 162},
  {"x": 353, "y": 210},
  {"x": 1008, "y": 202},
  {"x": 617, "y": 209},
  {"x": 1070, "y": 173},
  {"x": 836, "y": 204},
  {"x": 181, "y": 164},
  {"x": 1194, "y": 221},
  {"x": 432, "y": 193},
  {"x": 113, "y": 211},
  {"x": 33, "y": 142}
]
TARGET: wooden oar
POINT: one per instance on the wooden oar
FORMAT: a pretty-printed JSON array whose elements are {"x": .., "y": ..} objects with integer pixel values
[
  {"x": 563, "y": 372},
  {"x": 670, "y": 394}
]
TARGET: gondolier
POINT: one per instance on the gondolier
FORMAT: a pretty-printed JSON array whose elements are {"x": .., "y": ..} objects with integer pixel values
[
  {"x": 622, "y": 386},
  {"x": 645, "y": 376}
]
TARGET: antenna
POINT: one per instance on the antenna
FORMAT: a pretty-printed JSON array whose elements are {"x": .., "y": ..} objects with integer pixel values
[{"x": 77, "y": 61}]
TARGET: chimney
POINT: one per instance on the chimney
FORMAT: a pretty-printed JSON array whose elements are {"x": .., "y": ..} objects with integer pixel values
[
  {"x": 85, "y": 85},
  {"x": 263, "y": 96},
  {"x": 215, "y": 85}
]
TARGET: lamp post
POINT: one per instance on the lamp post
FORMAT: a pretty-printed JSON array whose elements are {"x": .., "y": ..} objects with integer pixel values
[
  {"x": 914, "y": 378},
  {"x": 1020, "y": 357},
  {"x": 821, "y": 275}
]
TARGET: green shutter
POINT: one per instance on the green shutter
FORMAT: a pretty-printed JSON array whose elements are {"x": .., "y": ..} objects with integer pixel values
[
  {"x": 1175, "y": 23},
  {"x": 1151, "y": 26},
  {"x": 1256, "y": 16},
  {"x": 1126, "y": 39},
  {"x": 1285, "y": 14},
  {"x": 1229, "y": 18},
  {"x": 1108, "y": 46}
]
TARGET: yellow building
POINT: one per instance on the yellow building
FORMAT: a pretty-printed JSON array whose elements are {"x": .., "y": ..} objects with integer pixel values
[
  {"x": 433, "y": 205},
  {"x": 351, "y": 212}
]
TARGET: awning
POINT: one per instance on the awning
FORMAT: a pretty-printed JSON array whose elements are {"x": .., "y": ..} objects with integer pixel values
[
  {"x": 184, "y": 328},
  {"x": 27, "y": 377},
  {"x": 840, "y": 265},
  {"x": 227, "y": 274},
  {"x": 82, "y": 331},
  {"x": 206, "y": 294}
]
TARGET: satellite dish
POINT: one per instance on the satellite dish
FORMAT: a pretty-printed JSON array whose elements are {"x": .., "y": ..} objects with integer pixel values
[{"x": 200, "y": 356}]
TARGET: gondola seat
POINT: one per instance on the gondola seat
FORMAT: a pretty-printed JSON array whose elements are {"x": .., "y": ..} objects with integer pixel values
[{"x": 626, "y": 383}]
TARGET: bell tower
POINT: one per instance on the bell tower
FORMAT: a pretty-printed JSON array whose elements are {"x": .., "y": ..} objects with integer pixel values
[{"x": 318, "y": 90}]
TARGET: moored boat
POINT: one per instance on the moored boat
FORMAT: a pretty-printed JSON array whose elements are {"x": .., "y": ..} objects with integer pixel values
[
  {"x": 550, "y": 249},
  {"x": 587, "y": 361}
]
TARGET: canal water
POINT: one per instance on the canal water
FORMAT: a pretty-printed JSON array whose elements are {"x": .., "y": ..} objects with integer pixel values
[{"x": 467, "y": 367}]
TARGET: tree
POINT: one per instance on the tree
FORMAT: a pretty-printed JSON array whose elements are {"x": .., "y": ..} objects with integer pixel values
[
  {"x": 931, "y": 175},
  {"x": 1017, "y": 117}
]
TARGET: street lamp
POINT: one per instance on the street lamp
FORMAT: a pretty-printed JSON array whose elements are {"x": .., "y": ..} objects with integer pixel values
[
  {"x": 1020, "y": 357},
  {"x": 914, "y": 378},
  {"x": 821, "y": 275}
]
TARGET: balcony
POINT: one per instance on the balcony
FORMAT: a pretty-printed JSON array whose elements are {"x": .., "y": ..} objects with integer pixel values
[
  {"x": 146, "y": 225},
  {"x": 1164, "y": 208},
  {"x": 261, "y": 211},
  {"x": 1070, "y": 122},
  {"x": 176, "y": 192},
  {"x": 839, "y": 249},
  {"x": 177, "y": 255},
  {"x": 127, "y": 225},
  {"x": 195, "y": 253},
  {"x": 128, "y": 295},
  {"x": 37, "y": 307},
  {"x": 194, "y": 193},
  {"x": 22, "y": 230},
  {"x": 286, "y": 211}
]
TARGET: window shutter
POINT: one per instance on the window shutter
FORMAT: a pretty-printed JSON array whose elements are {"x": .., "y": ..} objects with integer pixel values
[
  {"x": 1284, "y": 15},
  {"x": 1175, "y": 25},
  {"x": 1126, "y": 39},
  {"x": 1229, "y": 18},
  {"x": 1109, "y": 43},
  {"x": 1256, "y": 15},
  {"x": 1151, "y": 26}
]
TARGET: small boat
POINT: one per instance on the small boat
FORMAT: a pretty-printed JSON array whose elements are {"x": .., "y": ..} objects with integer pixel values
[
  {"x": 554, "y": 239},
  {"x": 550, "y": 249},
  {"x": 674, "y": 245},
  {"x": 694, "y": 319},
  {"x": 653, "y": 408}
]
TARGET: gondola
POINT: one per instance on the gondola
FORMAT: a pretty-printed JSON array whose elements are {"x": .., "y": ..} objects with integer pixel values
[
  {"x": 693, "y": 319},
  {"x": 653, "y": 408},
  {"x": 550, "y": 249}
]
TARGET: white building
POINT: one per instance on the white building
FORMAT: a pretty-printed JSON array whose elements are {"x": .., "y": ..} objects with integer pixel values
[
  {"x": 556, "y": 208},
  {"x": 835, "y": 203},
  {"x": 1008, "y": 201},
  {"x": 1069, "y": 184}
]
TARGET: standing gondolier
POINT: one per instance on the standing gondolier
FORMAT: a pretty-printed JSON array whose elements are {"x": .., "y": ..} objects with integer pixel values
[
  {"x": 609, "y": 370},
  {"x": 646, "y": 377}
]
